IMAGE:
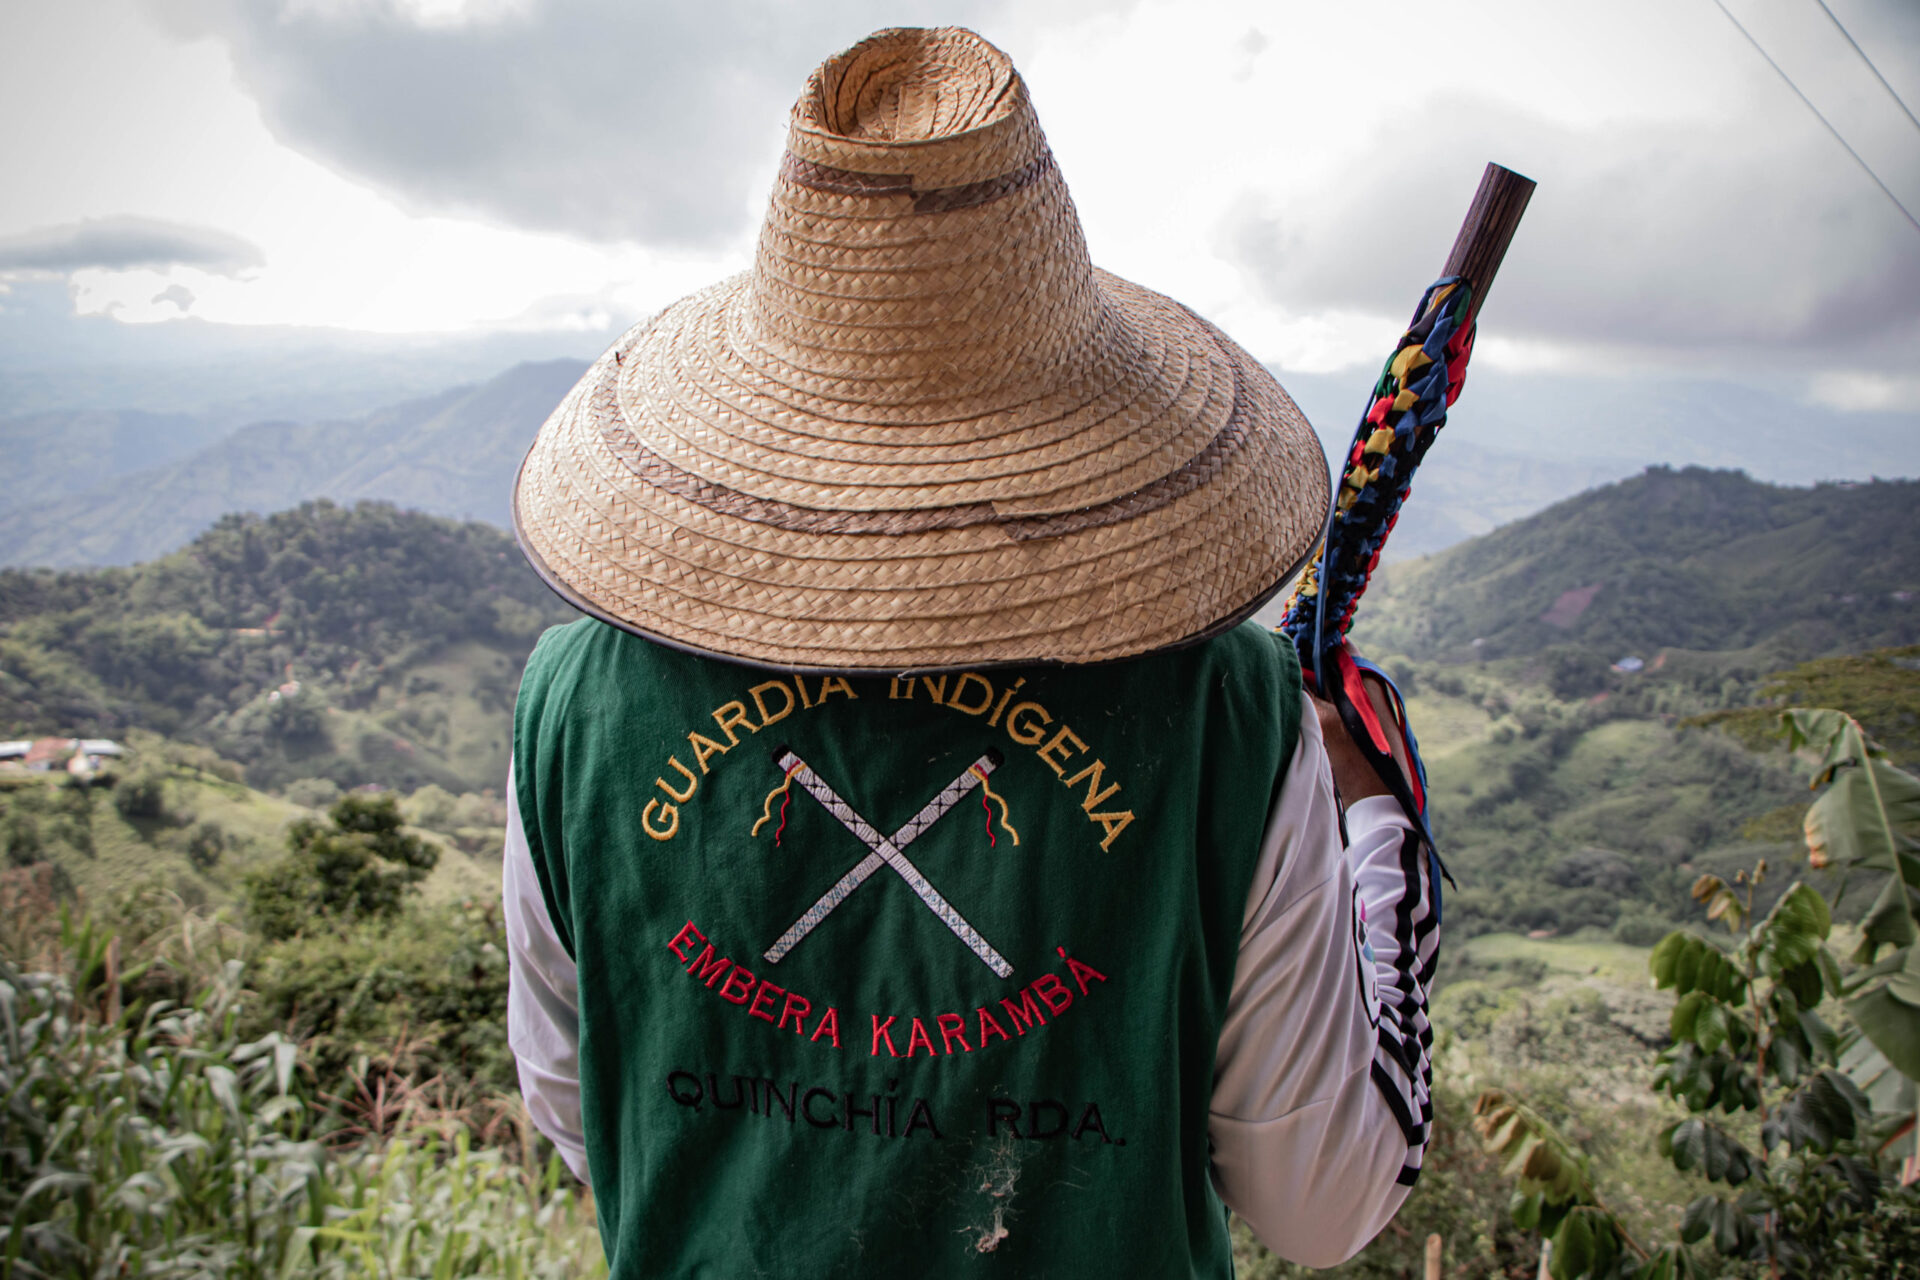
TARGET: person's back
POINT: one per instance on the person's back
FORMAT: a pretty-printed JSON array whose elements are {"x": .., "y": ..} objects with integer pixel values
[
  {"x": 913, "y": 868},
  {"x": 884, "y": 974}
]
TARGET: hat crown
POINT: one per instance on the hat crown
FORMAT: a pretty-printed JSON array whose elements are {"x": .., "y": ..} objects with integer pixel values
[
  {"x": 905, "y": 85},
  {"x": 920, "y": 250}
]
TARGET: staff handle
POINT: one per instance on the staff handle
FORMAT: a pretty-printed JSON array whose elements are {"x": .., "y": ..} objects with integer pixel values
[{"x": 1491, "y": 220}]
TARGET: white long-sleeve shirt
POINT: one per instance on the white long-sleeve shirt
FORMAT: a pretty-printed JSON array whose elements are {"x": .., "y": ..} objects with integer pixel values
[{"x": 1320, "y": 1107}]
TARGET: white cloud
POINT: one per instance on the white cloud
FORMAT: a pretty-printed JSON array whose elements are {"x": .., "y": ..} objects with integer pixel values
[
  {"x": 1294, "y": 170},
  {"x": 1855, "y": 391},
  {"x": 124, "y": 241}
]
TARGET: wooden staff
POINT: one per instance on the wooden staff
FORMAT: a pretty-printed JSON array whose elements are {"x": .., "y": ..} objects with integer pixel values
[
  {"x": 1409, "y": 406},
  {"x": 1492, "y": 219}
]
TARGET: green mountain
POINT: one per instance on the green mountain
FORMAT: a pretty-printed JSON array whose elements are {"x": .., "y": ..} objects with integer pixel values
[
  {"x": 358, "y": 644},
  {"x": 370, "y": 645},
  {"x": 1568, "y": 788},
  {"x": 452, "y": 454},
  {"x": 1685, "y": 560}
]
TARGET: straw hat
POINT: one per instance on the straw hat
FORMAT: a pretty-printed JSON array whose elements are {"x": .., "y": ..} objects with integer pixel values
[{"x": 924, "y": 431}]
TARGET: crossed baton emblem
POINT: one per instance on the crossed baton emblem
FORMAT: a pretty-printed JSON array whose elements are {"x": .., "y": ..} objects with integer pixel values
[{"x": 887, "y": 850}]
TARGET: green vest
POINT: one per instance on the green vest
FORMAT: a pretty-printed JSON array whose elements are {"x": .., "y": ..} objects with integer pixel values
[{"x": 917, "y": 976}]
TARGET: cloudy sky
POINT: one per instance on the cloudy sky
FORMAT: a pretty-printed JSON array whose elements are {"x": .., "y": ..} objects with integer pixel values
[{"x": 1293, "y": 170}]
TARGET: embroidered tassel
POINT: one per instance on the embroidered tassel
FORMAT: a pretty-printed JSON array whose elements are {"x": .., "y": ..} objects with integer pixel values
[
  {"x": 785, "y": 792},
  {"x": 986, "y": 792}
]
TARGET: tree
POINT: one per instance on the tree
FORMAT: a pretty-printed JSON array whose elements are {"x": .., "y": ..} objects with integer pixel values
[
  {"x": 205, "y": 845},
  {"x": 142, "y": 794},
  {"x": 357, "y": 865}
]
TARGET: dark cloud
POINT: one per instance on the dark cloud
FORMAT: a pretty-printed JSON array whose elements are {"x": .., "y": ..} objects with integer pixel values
[
  {"x": 651, "y": 120},
  {"x": 123, "y": 242},
  {"x": 1656, "y": 237}
]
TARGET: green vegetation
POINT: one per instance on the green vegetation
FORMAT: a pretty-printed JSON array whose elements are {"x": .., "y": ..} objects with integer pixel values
[
  {"x": 177, "y": 822},
  {"x": 267, "y": 674},
  {"x": 1812, "y": 1195},
  {"x": 1878, "y": 689},
  {"x": 1690, "y": 560},
  {"x": 333, "y": 872},
  {"x": 1557, "y": 815},
  {"x": 157, "y": 1137},
  {"x": 358, "y": 645}
]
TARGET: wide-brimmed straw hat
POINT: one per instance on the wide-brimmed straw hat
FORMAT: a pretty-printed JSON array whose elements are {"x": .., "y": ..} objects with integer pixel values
[{"x": 924, "y": 431}]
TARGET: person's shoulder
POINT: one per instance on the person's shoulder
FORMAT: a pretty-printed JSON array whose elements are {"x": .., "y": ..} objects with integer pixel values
[
  {"x": 570, "y": 652},
  {"x": 1254, "y": 651},
  {"x": 583, "y": 639},
  {"x": 1255, "y": 671}
]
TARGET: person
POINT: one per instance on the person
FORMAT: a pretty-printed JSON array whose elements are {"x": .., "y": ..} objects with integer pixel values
[{"x": 916, "y": 864}]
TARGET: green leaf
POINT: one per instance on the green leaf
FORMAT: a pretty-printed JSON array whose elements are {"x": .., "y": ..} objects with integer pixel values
[
  {"x": 1697, "y": 1221},
  {"x": 1904, "y": 984},
  {"x": 1686, "y": 1144},
  {"x": 1525, "y": 1210},
  {"x": 1892, "y": 1024},
  {"x": 1824, "y": 1039},
  {"x": 1787, "y": 1060},
  {"x": 1821, "y": 1112},
  {"x": 1606, "y": 1239},
  {"x": 1686, "y": 1013},
  {"x": 1848, "y": 825},
  {"x": 1731, "y": 1230},
  {"x": 1829, "y": 971},
  {"x": 1834, "y": 736},
  {"x": 1805, "y": 982},
  {"x": 1666, "y": 954},
  {"x": 1669, "y": 1262},
  {"x": 1710, "y": 1030},
  {"x": 1889, "y": 921},
  {"x": 1572, "y": 1248},
  {"x": 1695, "y": 1144},
  {"x": 1686, "y": 966},
  {"x": 1796, "y": 926}
]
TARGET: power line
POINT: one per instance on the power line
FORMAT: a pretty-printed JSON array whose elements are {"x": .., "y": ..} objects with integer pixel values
[
  {"x": 1891, "y": 92},
  {"x": 1857, "y": 158}
]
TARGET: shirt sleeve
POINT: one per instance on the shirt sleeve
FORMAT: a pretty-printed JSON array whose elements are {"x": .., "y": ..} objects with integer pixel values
[
  {"x": 543, "y": 1004},
  {"x": 1320, "y": 1105}
]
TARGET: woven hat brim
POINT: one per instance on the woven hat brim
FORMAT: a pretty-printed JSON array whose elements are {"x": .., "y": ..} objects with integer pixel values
[{"x": 687, "y": 492}]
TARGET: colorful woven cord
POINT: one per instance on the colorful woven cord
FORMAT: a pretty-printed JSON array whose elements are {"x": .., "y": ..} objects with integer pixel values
[{"x": 1419, "y": 384}]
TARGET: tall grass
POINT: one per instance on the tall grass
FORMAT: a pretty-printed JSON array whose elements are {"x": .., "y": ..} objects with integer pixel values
[{"x": 153, "y": 1140}]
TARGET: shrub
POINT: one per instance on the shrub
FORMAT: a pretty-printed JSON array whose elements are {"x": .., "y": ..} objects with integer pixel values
[
  {"x": 21, "y": 835},
  {"x": 1641, "y": 928},
  {"x": 431, "y": 807},
  {"x": 205, "y": 845},
  {"x": 358, "y": 865},
  {"x": 313, "y": 793},
  {"x": 421, "y": 996},
  {"x": 142, "y": 794}
]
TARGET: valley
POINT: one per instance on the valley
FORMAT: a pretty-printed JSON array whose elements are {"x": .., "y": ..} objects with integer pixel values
[{"x": 278, "y": 675}]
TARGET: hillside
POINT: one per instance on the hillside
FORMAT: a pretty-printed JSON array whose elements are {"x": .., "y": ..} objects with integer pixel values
[
  {"x": 452, "y": 454},
  {"x": 208, "y": 830},
  {"x": 1684, "y": 560},
  {"x": 358, "y": 644},
  {"x": 59, "y": 454},
  {"x": 1591, "y": 813}
]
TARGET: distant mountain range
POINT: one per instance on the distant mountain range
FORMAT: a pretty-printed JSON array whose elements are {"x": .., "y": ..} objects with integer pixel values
[
  {"x": 100, "y": 488},
  {"x": 86, "y": 486},
  {"x": 453, "y": 454}
]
